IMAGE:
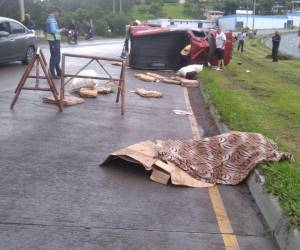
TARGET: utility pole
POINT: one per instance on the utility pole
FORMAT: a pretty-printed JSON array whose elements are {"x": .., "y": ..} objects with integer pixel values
[
  {"x": 22, "y": 10},
  {"x": 254, "y": 9},
  {"x": 121, "y": 6},
  {"x": 247, "y": 6},
  {"x": 114, "y": 6}
]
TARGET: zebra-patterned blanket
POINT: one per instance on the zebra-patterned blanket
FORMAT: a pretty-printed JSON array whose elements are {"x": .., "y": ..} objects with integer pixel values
[{"x": 224, "y": 159}]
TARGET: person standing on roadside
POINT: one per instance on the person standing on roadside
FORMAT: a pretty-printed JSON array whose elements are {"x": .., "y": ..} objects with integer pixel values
[
  {"x": 54, "y": 37},
  {"x": 28, "y": 22},
  {"x": 241, "y": 38},
  {"x": 275, "y": 46},
  {"x": 220, "y": 46}
]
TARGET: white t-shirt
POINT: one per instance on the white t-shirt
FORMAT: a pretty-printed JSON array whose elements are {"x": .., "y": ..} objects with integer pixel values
[
  {"x": 241, "y": 36},
  {"x": 220, "y": 40}
]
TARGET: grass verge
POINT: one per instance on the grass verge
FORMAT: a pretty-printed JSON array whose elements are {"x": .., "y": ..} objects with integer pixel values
[{"x": 256, "y": 95}]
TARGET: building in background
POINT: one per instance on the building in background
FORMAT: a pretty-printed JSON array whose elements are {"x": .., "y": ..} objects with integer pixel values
[
  {"x": 242, "y": 20},
  {"x": 295, "y": 6},
  {"x": 183, "y": 23},
  {"x": 278, "y": 9}
]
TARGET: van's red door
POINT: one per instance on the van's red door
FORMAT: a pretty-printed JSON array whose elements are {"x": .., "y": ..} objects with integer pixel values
[{"x": 200, "y": 49}]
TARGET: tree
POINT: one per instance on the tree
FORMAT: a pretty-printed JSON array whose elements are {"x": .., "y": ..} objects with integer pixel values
[
  {"x": 101, "y": 27},
  {"x": 194, "y": 9},
  {"x": 231, "y": 6},
  {"x": 117, "y": 24},
  {"x": 156, "y": 10}
]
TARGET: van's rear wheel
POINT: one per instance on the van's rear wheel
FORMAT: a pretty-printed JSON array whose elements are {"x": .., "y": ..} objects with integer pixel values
[{"x": 29, "y": 54}]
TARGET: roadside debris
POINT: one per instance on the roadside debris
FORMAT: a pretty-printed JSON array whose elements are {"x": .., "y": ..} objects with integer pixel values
[
  {"x": 148, "y": 93},
  {"x": 145, "y": 153},
  {"x": 171, "y": 81},
  {"x": 190, "y": 71},
  {"x": 181, "y": 112},
  {"x": 88, "y": 88},
  {"x": 79, "y": 83},
  {"x": 88, "y": 93},
  {"x": 156, "y": 76},
  {"x": 164, "y": 79},
  {"x": 145, "y": 77},
  {"x": 104, "y": 90},
  {"x": 187, "y": 83},
  {"x": 176, "y": 80},
  {"x": 116, "y": 64},
  {"x": 68, "y": 100},
  {"x": 223, "y": 159}
]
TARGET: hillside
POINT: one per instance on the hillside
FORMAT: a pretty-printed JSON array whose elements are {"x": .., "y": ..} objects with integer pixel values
[{"x": 169, "y": 10}]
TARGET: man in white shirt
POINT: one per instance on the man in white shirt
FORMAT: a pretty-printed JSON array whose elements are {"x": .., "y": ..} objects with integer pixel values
[{"x": 220, "y": 46}]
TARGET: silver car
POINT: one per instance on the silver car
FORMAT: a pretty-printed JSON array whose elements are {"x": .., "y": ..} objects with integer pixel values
[{"x": 17, "y": 43}]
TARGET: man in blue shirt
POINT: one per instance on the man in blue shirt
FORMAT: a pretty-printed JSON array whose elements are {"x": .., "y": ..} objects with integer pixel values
[{"x": 54, "y": 37}]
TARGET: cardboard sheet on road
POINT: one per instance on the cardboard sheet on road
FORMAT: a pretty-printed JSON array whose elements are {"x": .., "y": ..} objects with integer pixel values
[{"x": 146, "y": 155}]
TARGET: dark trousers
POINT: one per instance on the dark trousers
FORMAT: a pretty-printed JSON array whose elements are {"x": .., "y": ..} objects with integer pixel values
[
  {"x": 125, "y": 48},
  {"x": 275, "y": 53},
  {"x": 54, "y": 57},
  {"x": 241, "y": 45}
]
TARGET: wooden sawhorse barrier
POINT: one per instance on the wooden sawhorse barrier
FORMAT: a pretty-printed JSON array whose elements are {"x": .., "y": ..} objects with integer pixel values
[{"x": 39, "y": 60}]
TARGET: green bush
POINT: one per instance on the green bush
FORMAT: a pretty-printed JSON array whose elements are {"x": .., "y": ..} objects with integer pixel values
[
  {"x": 117, "y": 24},
  {"x": 101, "y": 27}
]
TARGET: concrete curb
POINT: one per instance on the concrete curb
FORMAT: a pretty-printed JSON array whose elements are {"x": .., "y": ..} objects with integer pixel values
[{"x": 286, "y": 237}]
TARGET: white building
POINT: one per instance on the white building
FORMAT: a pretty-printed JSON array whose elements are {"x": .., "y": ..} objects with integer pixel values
[
  {"x": 233, "y": 22},
  {"x": 183, "y": 23}
]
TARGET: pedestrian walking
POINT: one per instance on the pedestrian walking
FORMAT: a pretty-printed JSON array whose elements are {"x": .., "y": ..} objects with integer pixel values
[
  {"x": 220, "y": 46},
  {"x": 241, "y": 38},
  {"x": 275, "y": 46},
  {"x": 125, "y": 50},
  {"x": 54, "y": 37}
]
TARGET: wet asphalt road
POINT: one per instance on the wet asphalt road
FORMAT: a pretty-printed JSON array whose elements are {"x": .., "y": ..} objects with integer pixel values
[
  {"x": 54, "y": 195},
  {"x": 289, "y": 44}
]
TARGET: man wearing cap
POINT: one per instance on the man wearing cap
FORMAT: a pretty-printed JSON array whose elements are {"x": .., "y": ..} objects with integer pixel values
[
  {"x": 220, "y": 46},
  {"x": 54, "y": 37}
]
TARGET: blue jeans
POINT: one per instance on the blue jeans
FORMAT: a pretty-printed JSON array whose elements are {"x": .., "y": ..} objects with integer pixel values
[
  {"x": 54, "y": 57},
  {"x": 241, "y": 45}
]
